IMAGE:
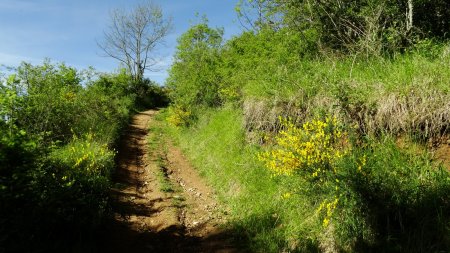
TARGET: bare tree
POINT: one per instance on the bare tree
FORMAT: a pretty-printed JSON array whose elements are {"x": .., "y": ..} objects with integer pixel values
[{"x": 133, "y": 36}]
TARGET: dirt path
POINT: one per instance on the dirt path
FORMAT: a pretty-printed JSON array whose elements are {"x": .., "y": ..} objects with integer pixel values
[{"x": 161, "y": 204}]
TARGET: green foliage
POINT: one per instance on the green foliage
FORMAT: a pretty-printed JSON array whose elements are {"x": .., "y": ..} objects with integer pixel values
[
  {"x": 359, "y": 192},
  {"x": 369, "y": 26},
  {"x": 38, "y": 87},
  {"x": 263, "y": 62},
  {"x": 79, "y": 175},
  {"x": 17, "y": 154},
  {"x": 398, "y": 196},
  {"x": 194, "y": 78},
  {"x": 57, "y": 130},
  {"x": 150, "y": 95}
]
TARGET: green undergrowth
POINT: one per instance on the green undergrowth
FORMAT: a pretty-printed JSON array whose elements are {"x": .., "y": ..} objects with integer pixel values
[{"x": 386, "y": 199}]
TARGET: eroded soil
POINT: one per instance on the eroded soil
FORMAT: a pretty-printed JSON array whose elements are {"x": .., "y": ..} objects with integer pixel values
[{"x": 151, "y": 218}]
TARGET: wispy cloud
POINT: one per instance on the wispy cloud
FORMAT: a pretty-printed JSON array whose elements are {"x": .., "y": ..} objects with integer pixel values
[{"x": 12, "y": 60}]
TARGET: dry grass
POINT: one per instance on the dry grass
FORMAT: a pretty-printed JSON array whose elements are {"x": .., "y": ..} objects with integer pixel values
[
  {"x": 262, "y": 116},
  {"x": 423, "y": 113}
]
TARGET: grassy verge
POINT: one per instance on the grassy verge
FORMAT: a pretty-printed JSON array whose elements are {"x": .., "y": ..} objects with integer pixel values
[
  {"x": 394, "y": 202},
  {"x": 296, "y": 184},
  {"x": 217, "y": 148}
]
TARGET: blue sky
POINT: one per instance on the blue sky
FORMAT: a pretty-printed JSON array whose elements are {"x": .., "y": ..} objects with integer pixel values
[{"x": 68, "y": 31}]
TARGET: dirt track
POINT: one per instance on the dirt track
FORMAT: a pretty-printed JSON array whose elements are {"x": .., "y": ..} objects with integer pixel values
[{"x": 185, "y": 218}]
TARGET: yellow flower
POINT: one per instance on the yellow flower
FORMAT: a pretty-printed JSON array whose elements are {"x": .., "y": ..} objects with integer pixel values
[
  {"x": 326, "y": 221},
  {"x": 286, "y": 195}
]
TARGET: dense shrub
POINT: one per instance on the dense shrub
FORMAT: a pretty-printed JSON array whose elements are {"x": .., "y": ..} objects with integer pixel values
[
  {"x": 194, "y": 78},
  {"x": 58, "y": 127},
  {"x": 375, "y": 196}
]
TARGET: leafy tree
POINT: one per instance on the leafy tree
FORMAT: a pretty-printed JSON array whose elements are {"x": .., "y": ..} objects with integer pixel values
[
  {"x": 370, "y": 26},
  {"x": 46, "y": 99},
  {"x": 194, "y": 78},
  {"x": 133, "y": 36}
]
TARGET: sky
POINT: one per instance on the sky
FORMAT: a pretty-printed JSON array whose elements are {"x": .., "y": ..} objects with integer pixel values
[{"x": 68, "y": 31}]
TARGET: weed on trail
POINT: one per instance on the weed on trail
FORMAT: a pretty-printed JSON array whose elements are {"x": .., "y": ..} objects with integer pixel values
[{"x": 157, "y": 141}]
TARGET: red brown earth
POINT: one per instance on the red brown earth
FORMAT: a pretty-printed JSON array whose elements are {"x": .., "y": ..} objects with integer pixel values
[{"x": 148, "y": 219}]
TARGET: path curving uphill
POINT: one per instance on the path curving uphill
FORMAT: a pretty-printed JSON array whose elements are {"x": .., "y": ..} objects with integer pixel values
[{"x": 148, "y": 217}]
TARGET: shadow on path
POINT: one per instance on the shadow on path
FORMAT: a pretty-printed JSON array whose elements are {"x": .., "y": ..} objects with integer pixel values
[{"x": 145, "y": 219}]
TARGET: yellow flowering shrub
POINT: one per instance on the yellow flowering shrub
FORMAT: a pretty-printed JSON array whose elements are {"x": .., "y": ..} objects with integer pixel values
[
  {"x": 312, "y": 148},
  {"x": 85, "y": 156},
  {"x": 178, "y": 116},
  {"x": 312, "y": 152},
  {"x": 327, "y": 208}
]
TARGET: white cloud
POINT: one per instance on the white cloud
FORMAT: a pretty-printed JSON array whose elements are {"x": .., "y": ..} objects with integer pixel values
[{"x": 12, "y": 60}]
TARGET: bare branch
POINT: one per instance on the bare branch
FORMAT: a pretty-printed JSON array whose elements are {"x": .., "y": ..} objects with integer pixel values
[{"x": 133, "y": 37}]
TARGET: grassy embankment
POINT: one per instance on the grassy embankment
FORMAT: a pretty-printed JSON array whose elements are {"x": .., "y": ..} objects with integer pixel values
[{"x": 387, "y": 193}]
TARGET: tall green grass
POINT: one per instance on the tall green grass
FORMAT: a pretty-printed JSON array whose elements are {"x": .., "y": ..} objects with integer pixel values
[
  {"x": 397, "y": 205},
  {"x": 217, "y": 148},
  {"x": 399, "y": 73}
]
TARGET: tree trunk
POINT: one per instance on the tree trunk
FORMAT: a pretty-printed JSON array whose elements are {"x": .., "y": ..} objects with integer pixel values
[{"x": 409, "y": 16}]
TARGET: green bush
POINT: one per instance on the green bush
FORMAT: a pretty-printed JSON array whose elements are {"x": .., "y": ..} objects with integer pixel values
[
  {"x": 194, "y": 78},
  {"x": 79, "y": 174},
  {"x": 401, "y": 198},
  {"x": 54, "y": 185}
]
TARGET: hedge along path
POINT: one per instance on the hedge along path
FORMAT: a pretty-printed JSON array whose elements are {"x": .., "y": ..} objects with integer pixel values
[{"x": 148, "y": 217}]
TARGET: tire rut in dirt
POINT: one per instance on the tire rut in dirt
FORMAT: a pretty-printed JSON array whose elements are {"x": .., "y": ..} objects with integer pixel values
[{"x": 147, "y": 219}]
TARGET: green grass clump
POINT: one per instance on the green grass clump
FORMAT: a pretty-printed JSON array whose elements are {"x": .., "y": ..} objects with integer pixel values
[{"x": 403, "y": 196}]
